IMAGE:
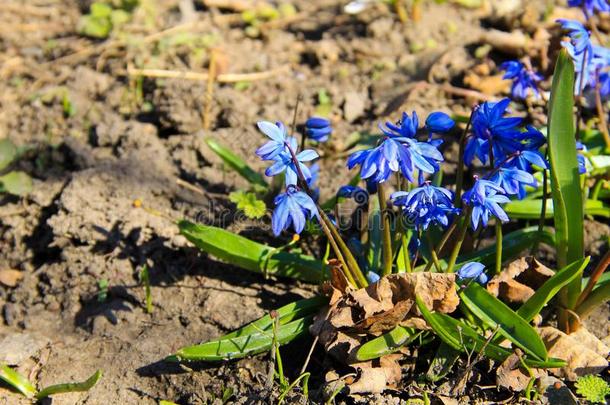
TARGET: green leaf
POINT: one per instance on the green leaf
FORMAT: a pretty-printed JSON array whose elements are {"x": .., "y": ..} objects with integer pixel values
[
  {"x": 599, "y": 295},
  {"x": 8, "y": 153},
  {"x": 531, "y": 209},
  {"x": 249, "y": 204},
  {"x": 442, "y": 363},
  {"x": 374, "y": 240},
  {"x": 245, "y": 345},
  {"x": 461, "y": 336},
  {"x": 16, "y": 183},
  {"x": 386, "y": 343},
  {"x": 252, "y": 256},
  {"x": 547, "y": 291},
  {"x": 496, "y": 314},
  {"x": 71, "y": 387},
  {"x": 145, "y": 279},
  {"x": 287, "y": 313},
  {"x": 237, "y": 164},
  {"x": 17, "y": 381},
  {"x": 565, "y": 179}
]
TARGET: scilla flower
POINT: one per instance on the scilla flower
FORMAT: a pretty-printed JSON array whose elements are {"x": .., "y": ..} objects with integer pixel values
[
  {"x": 524, "y": 79},
  {"x": 318, "y": 129},
  {"x": 284, "y": 162},
  {"x": 279, "y": 136},
  {"x": 485, "y": 198},
  {"x": 490, "y": 126},
  {"x": 513, "y": 180},
  {"x": 359, "y": 195},
  {"x": 425, "y": 205},
  {"x": 473, "y": 271},
  {"x": 293, "y": 207},
  {"x": 590, "y": 6}
]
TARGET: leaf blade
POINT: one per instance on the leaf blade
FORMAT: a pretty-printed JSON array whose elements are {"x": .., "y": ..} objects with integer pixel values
[
  {"x": 71, "y": 387},
  {"x": 236, "y": 163}
]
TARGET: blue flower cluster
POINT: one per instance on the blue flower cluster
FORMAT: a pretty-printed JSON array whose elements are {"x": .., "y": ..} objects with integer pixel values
[
  {"x": 425, "y": 205},
  {"x": 293, "y": 206},
  {"x": 400, "y": 150},
  {"x": 590, "y": 60},
  {"x": 524, "y": 80}
]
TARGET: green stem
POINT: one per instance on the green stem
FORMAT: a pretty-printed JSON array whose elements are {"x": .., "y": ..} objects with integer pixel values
[
  {"x": 599, "y": 296},
  {"x": 459, "y": 180},
  {"x": 442, "y": 243},
  {"x": 498, "y": 246},
  {"x": 594, "y": 278},
  {"x": 405, "y": 252},
  {"x": 545, "y": 187},
  {"x": 386, "y": 232},
  {"x": 459, "y": 241},
  {"x": 433, "y": 253}
]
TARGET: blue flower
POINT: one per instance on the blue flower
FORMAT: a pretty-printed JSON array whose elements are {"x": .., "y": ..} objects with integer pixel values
[
  {"x": 531, "y": 141},
  {"x": 372, "y": 277},
  {"x": 398, "y": 151},
  {"x": 513, "y": 180},
  {"x": 425, "y": 205},
  {"x": 473, "y": 270},
  {"x": 406, "y": 127},
  {"x": 523, "y": 79},
  {"x": 582, "y": 165},
  {"x": 490, "y": 125},
  {"x": 439, "y": 122},
  {"x": 359, "y": 195},
  {"x": 279, "y": 137},
  {"x": 579, "y": 35},
  {"x": 485, "y": 198},
  {"x": 285, "y": 163},
  {"x": 293, "y": 207},
  {"x": 318, "y": 129},
  {"x": 590, "y": 6}
]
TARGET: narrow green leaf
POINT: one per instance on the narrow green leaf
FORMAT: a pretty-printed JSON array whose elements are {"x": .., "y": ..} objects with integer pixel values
[
  {"x": 530, "y": 209},
  {"x": 599, "y": 295},
  {"x": 386, "y": 343},
  {"x": 287, "y": 313},
  {"x": 565, "y": 179},
  {"x": 17, "y": 381},
  {"x": 250, "y": 255},
  {"x": 544, "y": 294},
  {"x": 374, "y": 241},
  {"x": 246, "y": 345},
  {"x": 8, "y": 152},
  {"x": 71, "y": 387},
  {"x": 443, "y": 362},
  {"x": 145, "y": 279},
  {"x": 16, "y": 183},
  {"x": 496, "y": 314},
  {"x": 460, "y": 336},
  {"x": 237, "y": 163}
]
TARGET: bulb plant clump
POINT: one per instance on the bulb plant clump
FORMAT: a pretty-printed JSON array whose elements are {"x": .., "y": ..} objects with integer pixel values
[{"x": 405, "y": 267}]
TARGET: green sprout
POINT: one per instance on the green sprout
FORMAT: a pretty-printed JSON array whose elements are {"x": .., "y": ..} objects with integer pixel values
[
  {"x": 249, "y": 204},
  {"x": 12, "y": 182}
]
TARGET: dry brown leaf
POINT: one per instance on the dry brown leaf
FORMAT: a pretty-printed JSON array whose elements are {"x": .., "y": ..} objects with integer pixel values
[
  {"x": 510, "y": 375},
  {"x": 10, "y": 277},
  {"x": 580, "y": 358},
  {"x": 352, "y": 318},
  {"x": 376, "y": 376},
  {"x": 518, "y": 282}
]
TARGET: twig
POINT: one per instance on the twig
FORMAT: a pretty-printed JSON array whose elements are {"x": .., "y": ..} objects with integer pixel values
[
  {"x": 308, "y": 358},
  {"x": 209, "y": 94},
  {"x": 203, "y": 76}
]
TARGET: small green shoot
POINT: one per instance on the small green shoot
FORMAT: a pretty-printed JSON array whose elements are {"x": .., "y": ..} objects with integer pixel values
[
  {"x": 593, "y": 388},
  {"x": 13, "y": 182},
  {"x": 249, "y": 204},
  {"x": 25, "y": 387},
  {"x": 145, "y": 279},
  {"x": 102, "y": 294},
  {"x": 325, "y": 104}
]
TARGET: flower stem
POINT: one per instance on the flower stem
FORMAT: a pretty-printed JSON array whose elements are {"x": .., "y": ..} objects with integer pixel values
[
  {"x": 458, "y": 244},
  {"x": 405, "y": 252},
  {"x": 597, "y": 273},
  {"x": 459, "y": 180},
  {"x": 443, "y": 241},
  {"x": 542, "y": 212},
  {"x": 603, "y": 124},
  {"x": 498, "y": 246},
  {"x": 437, "y": 264},
  {"x": 385, "y": 231}
]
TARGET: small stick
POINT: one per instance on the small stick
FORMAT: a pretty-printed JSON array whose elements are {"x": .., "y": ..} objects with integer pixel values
[
  {"x": 313, "y": 345},
  {"x": 203, "y": 76}
]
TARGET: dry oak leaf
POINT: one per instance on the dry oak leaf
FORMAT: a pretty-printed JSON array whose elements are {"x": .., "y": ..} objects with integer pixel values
[
  {"x": 580, "y": 357},
  {"x": 377, "y": 375},
  {"x": 380, "y": 307},
  {"x": 519, "y": 280},
  {"x": 510, "y": 375}
]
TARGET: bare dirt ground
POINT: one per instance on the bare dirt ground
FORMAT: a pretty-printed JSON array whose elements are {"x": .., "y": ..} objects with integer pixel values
[{"x": 100, "y": 140}]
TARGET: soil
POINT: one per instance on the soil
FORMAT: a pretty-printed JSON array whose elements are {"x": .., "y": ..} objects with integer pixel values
[{"x": 101, "y": 144}]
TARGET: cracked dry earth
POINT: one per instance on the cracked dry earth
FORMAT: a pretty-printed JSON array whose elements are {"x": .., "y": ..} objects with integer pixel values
[{"x": 82, "y": 225}]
